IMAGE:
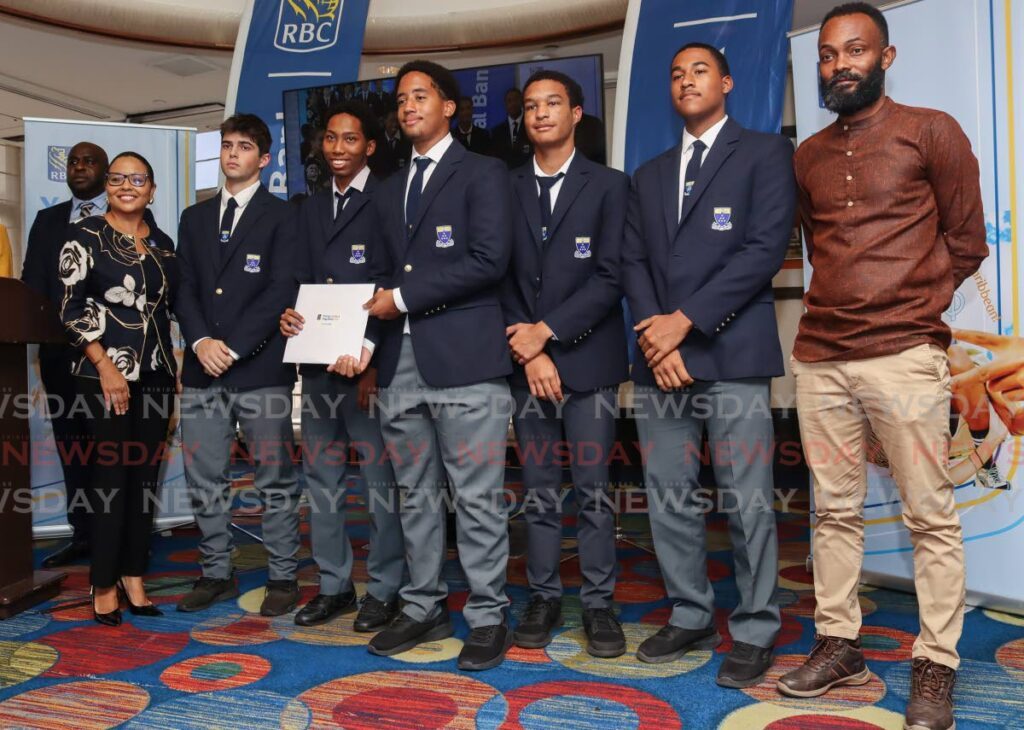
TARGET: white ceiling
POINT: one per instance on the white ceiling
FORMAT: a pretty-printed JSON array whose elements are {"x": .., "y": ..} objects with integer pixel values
[{"x": 45, "y": 69}]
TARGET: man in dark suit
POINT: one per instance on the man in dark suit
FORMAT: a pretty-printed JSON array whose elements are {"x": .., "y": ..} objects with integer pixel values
[
  {"x": 706, "y": 231},
  {"x": 562, "y": 304},
  {"x": 473, "y": 138},
  {"x": 508, "y": 138},
  {"x": 337, "y": 241},
  {"x": 393, "y": 149},
  {"x": 235, "y": 252},
  {"x": 86, "y": 171},
  {"x": 442, "y": 365}
]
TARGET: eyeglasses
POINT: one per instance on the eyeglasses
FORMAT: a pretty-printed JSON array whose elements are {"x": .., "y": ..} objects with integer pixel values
[{"x": 137, "y": 179}]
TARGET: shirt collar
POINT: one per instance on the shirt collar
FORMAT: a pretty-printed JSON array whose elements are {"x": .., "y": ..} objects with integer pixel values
[
  {"x": 709, "y": 136},
  {"x": 880, "y": 116},
  {"x": 436, "y": 152},
  {"x": 564, "y": 169},
  {"x": 242, "y": 197},
  {"x": 358, "y": 182},
  {"x": 516, "y": 120},
  {"x": 99, "y": 203}
]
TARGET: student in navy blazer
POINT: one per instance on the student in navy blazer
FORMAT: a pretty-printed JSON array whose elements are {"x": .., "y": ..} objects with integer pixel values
[
  {"x": 337, "y": 243},
  {"x": 706, "y": 231},
  {"x": 562, "y": 302},
  {"x": 236, "y": 252},
  {"x": 443, "y": 362}
]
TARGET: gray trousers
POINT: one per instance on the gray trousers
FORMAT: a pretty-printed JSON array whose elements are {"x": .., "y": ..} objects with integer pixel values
[
  {"x": 208, "y": 421},
  {"x": 331, "y": 422},
  {"x": 462, "y": 432},
  {"x": 738, "y": 420},
  {"x": 584, "y": 426}
]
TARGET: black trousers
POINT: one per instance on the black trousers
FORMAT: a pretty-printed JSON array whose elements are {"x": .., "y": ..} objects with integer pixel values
[
  {"x": 128, "y": 453},
  {"x": 70, "y": 433}
]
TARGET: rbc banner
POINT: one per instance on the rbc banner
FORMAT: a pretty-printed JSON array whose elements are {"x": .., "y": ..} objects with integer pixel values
[
  {"x": 291, "y": 44},
  {"x": 973, "y": 80},
  {"x": 172, "y": 153},
  {"x": 751, "y": 34}
]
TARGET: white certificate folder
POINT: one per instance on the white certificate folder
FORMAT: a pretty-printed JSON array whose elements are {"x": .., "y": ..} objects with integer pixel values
[{"x": 335, "y": 323}]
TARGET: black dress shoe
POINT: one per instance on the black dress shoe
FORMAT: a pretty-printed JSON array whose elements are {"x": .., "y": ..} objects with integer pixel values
[
  {"x": 282, "y": 597},
  {"x": 74, "y": 550},
  {"x": 542, "y": 616},
  {"x": 671, "y": 642},
  {"x": 485, "y": 648},
  {"x": 147, "y": 609},
  {"x": 404, "y": 633},
  {"x": 112, "y": 618},
  {"x": 324, "y": 607},
  {"x": 206, "y": 592},
  {"x": 745, "y": 666},
  {"x": 604, "y": 633},
  {"x": 375, "y": 614}
]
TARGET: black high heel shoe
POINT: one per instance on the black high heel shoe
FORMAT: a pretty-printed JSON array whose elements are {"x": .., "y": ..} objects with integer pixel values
[
  {"x": 107, "y": 619},
  {"x": 147, "y": 610}
]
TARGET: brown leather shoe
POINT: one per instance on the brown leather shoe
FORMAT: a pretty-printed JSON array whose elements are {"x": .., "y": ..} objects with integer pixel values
[
  {"x": 931, "y": 696},
  {"x": 832, "y": 662}
]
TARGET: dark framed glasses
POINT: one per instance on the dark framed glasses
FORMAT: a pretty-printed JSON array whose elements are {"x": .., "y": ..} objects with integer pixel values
[{"x": 137, "y": 179}]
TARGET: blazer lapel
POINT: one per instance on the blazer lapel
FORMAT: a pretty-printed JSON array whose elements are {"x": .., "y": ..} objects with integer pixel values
[
  {"x": 724, "y": 145},
  {"x": 209, "y": 223},
  {"x": 325, "y": 211},
  {"x": 445, "y": 169},
  {"x": 670, "y": 188},
  {"x": 252, "y": 213},
  {"x": 574, "y": 182},
  {"x": 529, "y": 200}
]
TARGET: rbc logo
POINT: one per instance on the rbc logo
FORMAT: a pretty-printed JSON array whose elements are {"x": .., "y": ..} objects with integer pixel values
[
  {"x": 307, "y": 25},
  {"x": 57, "y": 163}
]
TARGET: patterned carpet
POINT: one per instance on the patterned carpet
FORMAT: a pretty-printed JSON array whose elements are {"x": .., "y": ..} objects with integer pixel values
[{"x": 230, "y": 668}]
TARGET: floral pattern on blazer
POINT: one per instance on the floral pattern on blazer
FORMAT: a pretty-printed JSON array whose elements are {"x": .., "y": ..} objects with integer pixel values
[{"x": 116, "y": 296}]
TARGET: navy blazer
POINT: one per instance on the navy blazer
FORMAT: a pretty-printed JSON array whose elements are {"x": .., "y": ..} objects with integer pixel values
[
  {"x": 338, "y": 252},
  {"x": 50, "y": 230},
  {"x": 449, "y": 269},
  {"x": 236, "y": 291},
  {"x": 715, "y": 264},
  {"x": 571, "y": 282}
]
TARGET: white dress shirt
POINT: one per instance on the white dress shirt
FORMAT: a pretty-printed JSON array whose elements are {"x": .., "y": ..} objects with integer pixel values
[
  {"x": 564, "y": 169},
  {"x": 435, "y": 154},
  {"x": 708, "y": 138},
  {"x": 358, "y": 183}
]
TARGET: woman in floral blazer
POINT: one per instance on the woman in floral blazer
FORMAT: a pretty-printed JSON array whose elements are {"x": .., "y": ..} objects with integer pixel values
[{"x": 119, "y": 275}]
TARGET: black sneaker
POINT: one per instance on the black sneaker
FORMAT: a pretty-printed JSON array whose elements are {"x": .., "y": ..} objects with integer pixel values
[
  {"x": 541, "y": 617},
  {"x": 206, "y": 592},
  {"x": 325, "y": 607},
  {"x": 404, "y": 633},
  {"x": 485, "y": 648},
  {"x": 745, "y": 666},
  {"x": 375, "y": 614},
  {"x": 604, "y": 633},
  {"x": 671, "y": 642},
  {"x": 282, "y": 597}
]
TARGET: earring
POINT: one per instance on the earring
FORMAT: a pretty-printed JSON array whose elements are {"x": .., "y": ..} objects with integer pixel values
[{"x": 151, "y": 201}]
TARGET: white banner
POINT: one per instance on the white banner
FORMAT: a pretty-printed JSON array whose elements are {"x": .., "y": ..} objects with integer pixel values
[
  {"x": 171, "y": 152},
  {"x": 982, "y": 51}
]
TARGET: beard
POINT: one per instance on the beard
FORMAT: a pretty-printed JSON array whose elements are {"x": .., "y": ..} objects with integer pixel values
[{"x": 868, "y": 90}]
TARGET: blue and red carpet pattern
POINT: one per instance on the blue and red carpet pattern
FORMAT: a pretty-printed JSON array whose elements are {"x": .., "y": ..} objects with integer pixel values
[{"x": 228, "y": 667}]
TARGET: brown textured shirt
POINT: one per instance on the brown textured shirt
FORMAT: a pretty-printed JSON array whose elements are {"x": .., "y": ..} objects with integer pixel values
[{"x": 892, "y": 216}]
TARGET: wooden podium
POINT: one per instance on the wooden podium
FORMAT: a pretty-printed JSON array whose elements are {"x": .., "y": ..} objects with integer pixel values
[{"x": 25, "y": 317}]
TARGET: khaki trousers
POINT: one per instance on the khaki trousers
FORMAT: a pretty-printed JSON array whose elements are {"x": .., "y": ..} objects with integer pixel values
[{"x": 904, "y": 399}]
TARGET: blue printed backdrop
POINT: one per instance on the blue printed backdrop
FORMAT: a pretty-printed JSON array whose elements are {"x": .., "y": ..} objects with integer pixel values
[
  {"x": 288, "y": 44},
  {"x": 751, "y": 33}
]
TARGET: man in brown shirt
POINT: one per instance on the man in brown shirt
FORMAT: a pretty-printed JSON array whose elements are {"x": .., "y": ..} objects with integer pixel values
[{"x": 890, "y": 203}]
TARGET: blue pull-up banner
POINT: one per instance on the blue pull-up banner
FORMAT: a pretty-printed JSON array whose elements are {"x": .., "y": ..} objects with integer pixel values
[{"x": 751, "y": 34}]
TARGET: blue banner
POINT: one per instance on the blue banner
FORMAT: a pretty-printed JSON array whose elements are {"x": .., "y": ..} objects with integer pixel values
[
  {"x": 290, "y": 44},
  {"x": 751, "y": 34}
]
